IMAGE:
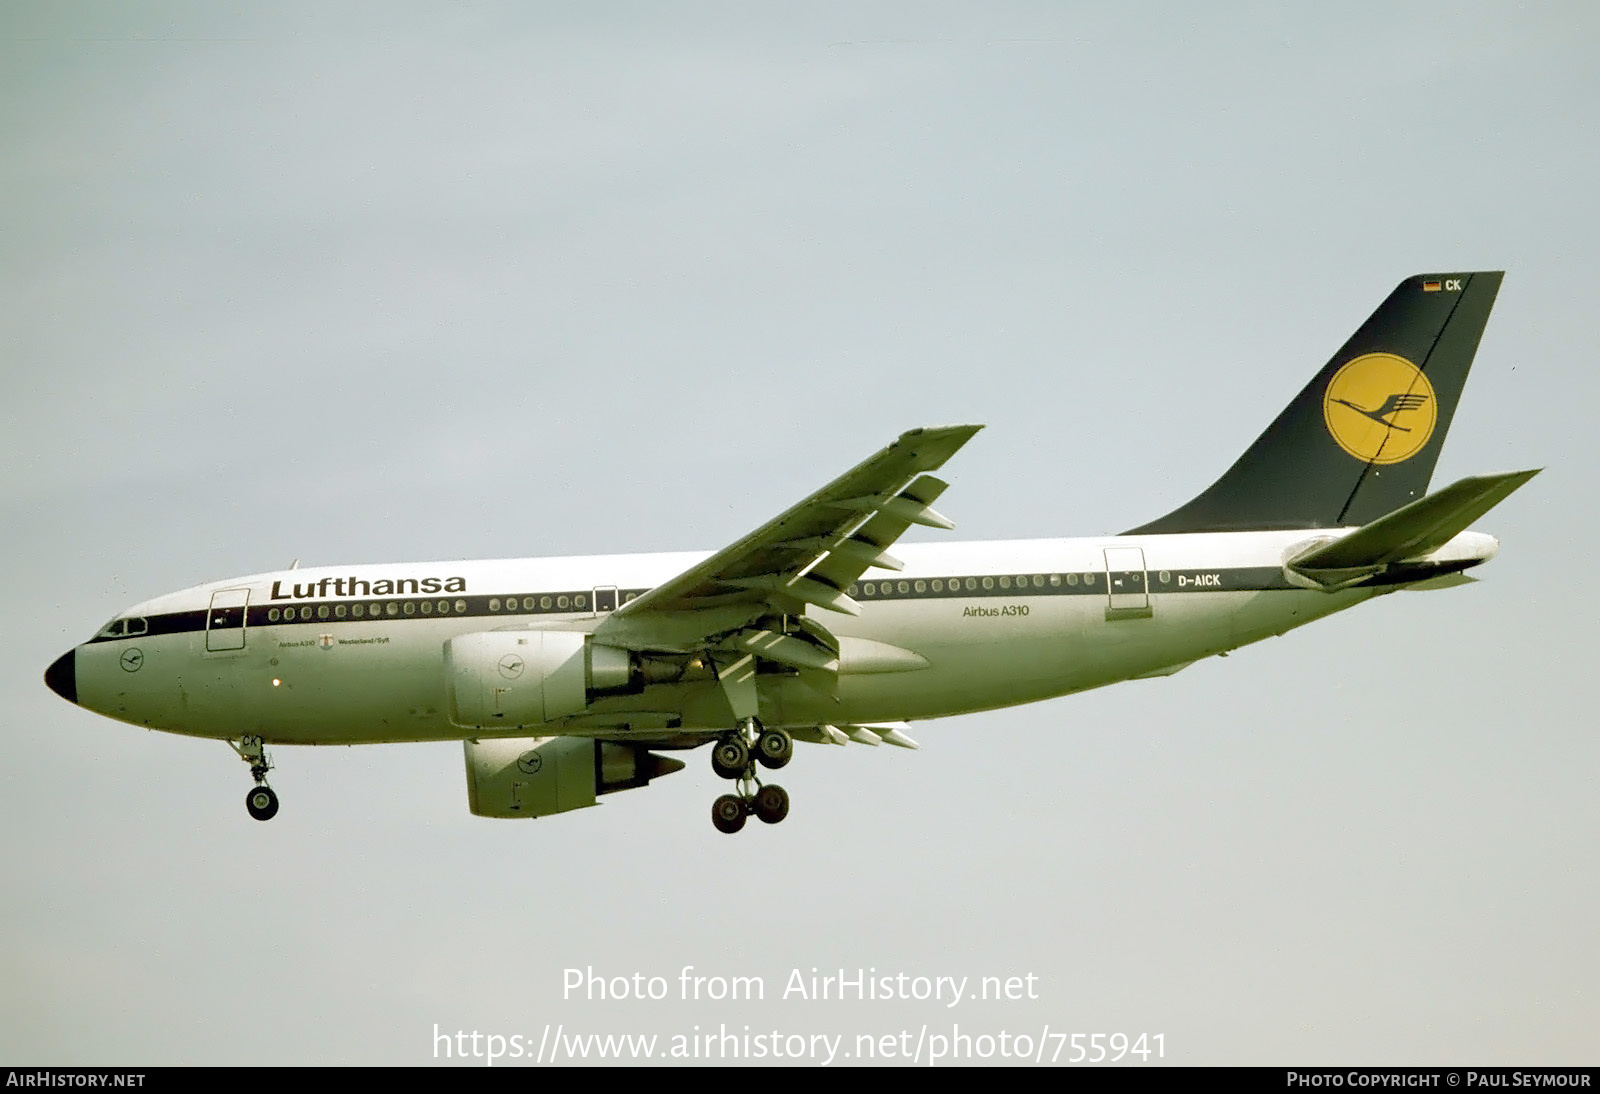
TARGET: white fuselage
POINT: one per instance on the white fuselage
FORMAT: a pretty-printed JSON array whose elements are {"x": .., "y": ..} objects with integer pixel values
[{"x": 346, "y": 655}]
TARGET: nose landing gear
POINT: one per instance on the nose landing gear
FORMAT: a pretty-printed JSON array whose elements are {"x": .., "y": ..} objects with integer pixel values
[{"x": 261, "y": 802}]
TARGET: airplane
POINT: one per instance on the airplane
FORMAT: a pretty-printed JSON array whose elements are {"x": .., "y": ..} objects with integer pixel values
[{"x": 570, "y": 678}]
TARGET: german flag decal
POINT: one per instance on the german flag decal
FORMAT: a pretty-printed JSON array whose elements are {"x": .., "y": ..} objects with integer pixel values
[{"x": 1432, "y": 286}]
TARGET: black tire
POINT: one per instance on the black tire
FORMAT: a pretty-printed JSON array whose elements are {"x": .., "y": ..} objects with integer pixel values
[
  {"x": 771, "y": 804},
  {"x": 730, "y": 757},
  {"x": 262, "y": 803},
  {"x": 728, "y": 813},
  {"x": 774, "y": 748}
]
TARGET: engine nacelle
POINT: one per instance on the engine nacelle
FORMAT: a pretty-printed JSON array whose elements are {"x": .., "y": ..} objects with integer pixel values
[
  {"x": 538, "y": 776},
  {"x": 512, "y": 679}
]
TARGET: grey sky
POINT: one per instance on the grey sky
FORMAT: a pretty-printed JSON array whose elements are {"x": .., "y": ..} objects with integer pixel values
[{"x": 385, "y": 282}]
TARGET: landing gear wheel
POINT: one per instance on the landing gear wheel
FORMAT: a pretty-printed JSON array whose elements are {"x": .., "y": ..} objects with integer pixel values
[
  {"x": 728, "y": 813},
  {"x": 262, "y": 803},
  {"x": 730, "y": 758},
  {"x": 771, "y": 804},
  {"x": 774, "y": 748}
]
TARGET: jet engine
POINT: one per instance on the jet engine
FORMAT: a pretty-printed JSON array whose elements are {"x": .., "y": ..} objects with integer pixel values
[
  {"x": 511, "y": 679},
  {"x": 538, "y": 776}
]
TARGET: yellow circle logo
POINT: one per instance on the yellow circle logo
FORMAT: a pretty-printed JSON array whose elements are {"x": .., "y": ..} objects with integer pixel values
[{"x": 1380, "y": 408}]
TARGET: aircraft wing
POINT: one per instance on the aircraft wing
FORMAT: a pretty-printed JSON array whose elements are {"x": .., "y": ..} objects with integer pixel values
[{"x": 808, "y": 555}]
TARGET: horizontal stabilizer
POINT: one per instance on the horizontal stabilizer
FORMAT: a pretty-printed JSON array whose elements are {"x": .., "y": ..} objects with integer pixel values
[{"x": 1410, "y": 532}]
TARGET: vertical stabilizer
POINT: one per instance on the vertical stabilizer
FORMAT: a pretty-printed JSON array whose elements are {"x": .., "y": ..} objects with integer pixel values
[{"x": 1363, "y": 437}]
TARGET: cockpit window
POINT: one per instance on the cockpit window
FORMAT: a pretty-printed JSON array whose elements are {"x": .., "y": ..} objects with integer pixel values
[{"x": 124, "y": 628}]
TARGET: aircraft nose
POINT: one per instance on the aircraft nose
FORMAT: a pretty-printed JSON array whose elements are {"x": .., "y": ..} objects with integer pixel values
[{"x": 62, "y": 676}]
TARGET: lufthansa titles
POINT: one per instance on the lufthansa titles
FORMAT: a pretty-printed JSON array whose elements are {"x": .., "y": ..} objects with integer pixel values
[{"x": 356, "y": 586}]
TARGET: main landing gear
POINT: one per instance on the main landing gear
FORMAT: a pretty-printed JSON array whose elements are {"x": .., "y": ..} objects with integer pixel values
[
  {"x": 735, "y": 757},
  {"x": 261, "y": 801}
]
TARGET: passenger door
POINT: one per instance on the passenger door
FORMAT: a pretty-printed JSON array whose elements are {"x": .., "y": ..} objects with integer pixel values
[{"x": 225, "y": 620}]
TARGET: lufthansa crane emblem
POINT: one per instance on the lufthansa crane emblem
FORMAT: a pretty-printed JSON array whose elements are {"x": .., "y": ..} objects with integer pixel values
[
  {"x": 1380, "y": 408},
  {"x": 511, "y": 666}
]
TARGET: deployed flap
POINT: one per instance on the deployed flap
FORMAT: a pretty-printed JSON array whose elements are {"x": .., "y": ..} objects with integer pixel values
[
  {"x": 809, "y": 555},
  {"x": 1417, "y": 529}
]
